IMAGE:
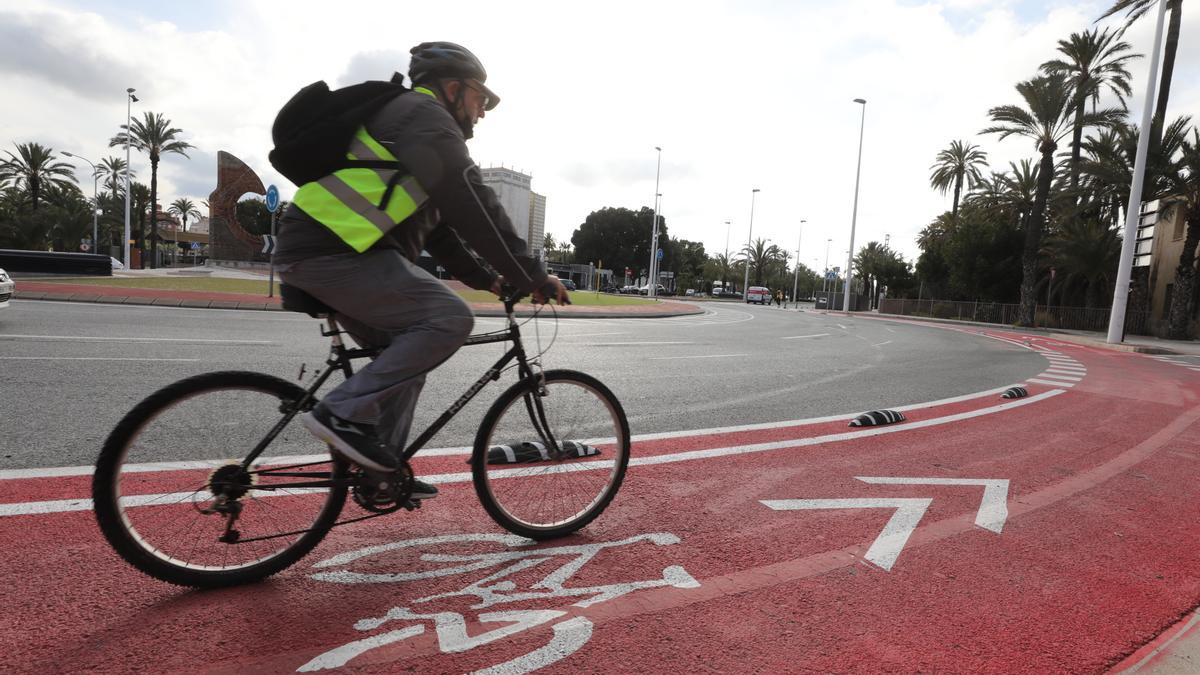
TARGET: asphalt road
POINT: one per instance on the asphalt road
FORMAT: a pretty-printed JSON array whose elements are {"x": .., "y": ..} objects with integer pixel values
[{"x": 71, "y": 370}]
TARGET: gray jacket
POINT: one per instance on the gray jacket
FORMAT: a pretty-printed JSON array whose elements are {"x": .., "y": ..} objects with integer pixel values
[{"x": 462, "y": 214}]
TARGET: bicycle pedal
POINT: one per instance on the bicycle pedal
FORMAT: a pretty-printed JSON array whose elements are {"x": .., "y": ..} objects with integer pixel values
[{"x": 412, "y": 504}]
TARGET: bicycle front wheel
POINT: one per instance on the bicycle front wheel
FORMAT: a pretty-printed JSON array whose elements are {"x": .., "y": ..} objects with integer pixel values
[
  {"x": 173, "y": 500},
  {"x": 551, "y": 454}
]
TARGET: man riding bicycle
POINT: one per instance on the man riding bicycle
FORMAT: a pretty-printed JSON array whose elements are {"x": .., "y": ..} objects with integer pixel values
[{"x": 381, "y": 296}]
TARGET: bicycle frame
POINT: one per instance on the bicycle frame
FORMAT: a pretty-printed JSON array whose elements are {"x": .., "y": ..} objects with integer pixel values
[{"x": 340, "y": 358}]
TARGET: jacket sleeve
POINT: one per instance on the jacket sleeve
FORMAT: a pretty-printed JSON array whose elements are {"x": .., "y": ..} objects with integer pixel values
[
  {"x": 445, "y": 246},
  {"x": 432, "y": 147}
]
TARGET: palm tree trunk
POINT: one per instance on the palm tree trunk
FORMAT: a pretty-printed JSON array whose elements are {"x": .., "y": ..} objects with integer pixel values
[
  {"x": 153, "y": 211},
  {"x": 1164, "y": 91},
  {"x": 1077, "y": 139},
  {"x": 1033, "y": 239},
  {"x": 1185, "y": 280},
  {"x": 35, "y": 189},
  {"x": 958, "y": 182}
]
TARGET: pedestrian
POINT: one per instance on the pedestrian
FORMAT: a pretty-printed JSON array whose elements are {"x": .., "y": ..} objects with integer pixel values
[{"x": 779, "y": 297}]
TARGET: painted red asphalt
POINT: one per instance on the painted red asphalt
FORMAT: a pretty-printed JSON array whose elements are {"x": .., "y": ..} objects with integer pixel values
[{"x": 1095, "y": 557}]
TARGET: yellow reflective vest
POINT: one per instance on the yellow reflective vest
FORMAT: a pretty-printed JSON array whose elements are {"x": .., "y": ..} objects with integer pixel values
[{"x": 362, "y": 204}]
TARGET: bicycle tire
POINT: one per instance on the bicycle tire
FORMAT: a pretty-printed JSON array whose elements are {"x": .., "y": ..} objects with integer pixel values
[
  {"x": 601, "y": 474},
  {"x": 236, "y": 400}
]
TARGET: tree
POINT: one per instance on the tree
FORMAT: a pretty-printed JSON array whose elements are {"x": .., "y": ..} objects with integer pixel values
[
  {"x": 33, "y": 169},
  {"x": 1046, "y": 119},
  {"x": 760, "y": 256},
  {"x": 1134, "y": 10},
  {"x": 183, "y": 208},
  {"x": 1095, "y": 60},
  {"x": 620, "y": 237},
  {"x": 548, "y": 242},
  {"x": 1182, "y": 183},
  {"x": 1086, "y": 254},
  {"x": 954, "y": 165},
  {"x": 155, "y": 136},
  {"x": 112, "y": 175}
]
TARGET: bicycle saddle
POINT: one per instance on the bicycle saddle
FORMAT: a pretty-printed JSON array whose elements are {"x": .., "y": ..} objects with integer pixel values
[{"x": 297, "y": 300}]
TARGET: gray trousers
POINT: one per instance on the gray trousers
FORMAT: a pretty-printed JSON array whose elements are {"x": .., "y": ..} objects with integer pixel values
[{"x": 383, "y": 300}]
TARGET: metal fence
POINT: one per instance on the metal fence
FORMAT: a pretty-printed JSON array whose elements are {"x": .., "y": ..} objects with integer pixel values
[{"x": 1075, "y": 318}]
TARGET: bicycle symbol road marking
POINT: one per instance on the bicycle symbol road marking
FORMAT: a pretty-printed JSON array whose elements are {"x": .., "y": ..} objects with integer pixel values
[{"x": 495, "y": 588}]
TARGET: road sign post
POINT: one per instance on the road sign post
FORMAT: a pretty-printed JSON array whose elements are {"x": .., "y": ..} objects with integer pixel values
[{"x": 273, "y": 207}]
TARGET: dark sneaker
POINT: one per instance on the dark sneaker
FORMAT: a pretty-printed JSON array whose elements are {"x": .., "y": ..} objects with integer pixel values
[
  {"x": 423, "y": 490},
  {"x": 356, "y": 442}
]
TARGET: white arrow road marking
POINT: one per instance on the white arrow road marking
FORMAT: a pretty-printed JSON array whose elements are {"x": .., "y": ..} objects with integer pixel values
[
  {"x": 993, "y": 509},
  {"x": 891, "y": 540}
]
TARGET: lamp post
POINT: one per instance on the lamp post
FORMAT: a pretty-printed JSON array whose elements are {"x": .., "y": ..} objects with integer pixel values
[
  {"x": 652, "y": 283},
  {"x": 749, "y": 233},
  {"x": 95, "y": 202},
  {"x": 825, "y": 282},
  {"x": 854, "y": 215},
  {"x": 796, "y": 276},
  {"x": 130, "y": 99},
  {"x": 1116, "y": 318}
]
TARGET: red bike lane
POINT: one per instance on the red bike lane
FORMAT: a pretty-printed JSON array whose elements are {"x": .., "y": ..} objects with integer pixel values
[{"x": 1051, "y": 533}]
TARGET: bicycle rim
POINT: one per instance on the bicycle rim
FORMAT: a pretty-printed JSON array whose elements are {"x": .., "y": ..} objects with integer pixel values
[
  {"x": 168, "y": 463},
  {"x": 524, "y": 484}
]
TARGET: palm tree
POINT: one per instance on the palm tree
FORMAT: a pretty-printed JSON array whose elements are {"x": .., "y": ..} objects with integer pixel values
[
  {"x": 954, "y": 165},
  {"x": 155, "y": 136},
  {"x": 1087, "y": 253},
  {"x": 1095, "y": 60},
  {"x": 1110, "y": 161},
  {"x": 139, "y": 205},
  {"x": 1134, "y": 10},
  {"x": 548, "y": 243},
  {"x": 1182, "y": 183},
  {"x": 112, "y": 175},
  {"x": 33, "y": 169},
  {"x": 759, "y": 256},
  {"x": 1046, "y": 120},
  {"x": 183, "y": 208}
]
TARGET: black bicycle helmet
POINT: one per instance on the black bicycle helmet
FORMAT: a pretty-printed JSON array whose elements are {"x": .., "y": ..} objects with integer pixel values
[{"x": 433, "y": 60}]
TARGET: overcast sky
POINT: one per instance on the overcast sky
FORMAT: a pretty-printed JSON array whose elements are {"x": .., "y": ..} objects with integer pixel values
[{"x": 739, "y": 95}]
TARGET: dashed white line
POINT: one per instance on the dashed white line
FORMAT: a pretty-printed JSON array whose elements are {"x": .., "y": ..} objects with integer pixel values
[
  {"x": 802, "y": 337},
  {"x": 88, "y": 358},
  {"x": 705, "y": 356}
]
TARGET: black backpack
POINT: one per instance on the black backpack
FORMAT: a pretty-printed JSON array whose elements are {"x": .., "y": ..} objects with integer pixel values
[{"x": 313, "y": 130}]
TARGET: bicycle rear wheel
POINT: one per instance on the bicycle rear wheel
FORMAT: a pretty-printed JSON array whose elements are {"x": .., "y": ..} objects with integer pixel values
[
  {"x": 551, "y": 454},
  {"x": 169, "y": 477}
]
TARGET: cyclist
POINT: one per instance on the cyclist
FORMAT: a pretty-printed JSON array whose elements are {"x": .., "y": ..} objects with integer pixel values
[{"x": 361, "y": 260}]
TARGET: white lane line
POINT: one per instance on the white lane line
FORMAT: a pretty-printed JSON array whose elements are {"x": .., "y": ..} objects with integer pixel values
[
  {"x": 842, "y": 327},
  {"x": 58, "y": 506},
  {"x": 882, "y": 344},
  {"x": 69, "y": 338},
  {"x": 1052, "y": 384},
  {"x": 58, "y": 472},
  {"x": 88, "y": 358},
  {"x": 802, "y": 337},
  {"x": 1051, "y": 375},
  {"x": 574, "y": 335},
  {"x": 705, "y": 356},
  {"x": 1056, "y": 370},
  {"x": 625, "y": 344}
]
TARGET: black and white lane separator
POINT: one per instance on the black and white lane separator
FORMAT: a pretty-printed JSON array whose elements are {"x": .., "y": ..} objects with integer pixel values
[
  {"x": 1064, "y": 371},
  {"x": 1190, "y": 362}
]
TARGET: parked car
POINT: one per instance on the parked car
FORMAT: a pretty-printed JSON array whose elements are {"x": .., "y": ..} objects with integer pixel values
[
  {"x": 660, "y": 290},
  {"x": 116, "y": 264},
  {"x": 7, "y": 286},
  {"x": 629, "y": 290},
  {"x": 568, "y": 284},
  {"x": 690, "y": 292},
  {"x": 759, "y": 294}
]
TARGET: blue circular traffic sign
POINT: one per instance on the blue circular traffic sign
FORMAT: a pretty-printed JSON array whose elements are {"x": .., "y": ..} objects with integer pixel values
[
  {"x": 660, "y": 254},
  {"x": 272, "y": 198}
]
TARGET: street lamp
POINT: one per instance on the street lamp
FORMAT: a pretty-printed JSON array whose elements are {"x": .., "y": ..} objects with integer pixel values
[
  {"x": 652, "y": 284},
  {"x": 825, "y": 282},
  {"x": 749, "y": 233},
  {"x": 130, "y": 99},
  {"x": 796, "y": 276},
  {"x": 854, "y": 216},
  {"x": 95, "y": 201}
]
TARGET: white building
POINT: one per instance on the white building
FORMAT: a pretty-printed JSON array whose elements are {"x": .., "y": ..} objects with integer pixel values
[{"x": 525, "y": 208}]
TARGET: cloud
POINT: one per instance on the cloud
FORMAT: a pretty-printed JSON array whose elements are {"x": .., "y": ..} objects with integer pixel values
[
  {"x": 373, "y": 65},
  {"x": 45, "y": 46}
]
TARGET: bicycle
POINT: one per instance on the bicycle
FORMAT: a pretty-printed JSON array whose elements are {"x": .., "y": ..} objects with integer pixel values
[{"x": 548, "y": 457}]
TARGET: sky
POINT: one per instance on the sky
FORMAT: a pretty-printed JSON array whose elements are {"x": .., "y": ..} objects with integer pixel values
[{"x": 739, "y": 96}]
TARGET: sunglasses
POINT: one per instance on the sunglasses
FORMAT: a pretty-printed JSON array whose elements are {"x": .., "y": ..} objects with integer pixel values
[{"x": 486, "y": 99}]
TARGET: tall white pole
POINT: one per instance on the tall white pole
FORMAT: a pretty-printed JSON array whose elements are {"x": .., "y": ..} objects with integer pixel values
[
  {"x": 796, "y": 276},
  {"x": 95, "y": 200},
  {"x": 1133, "y": 211},
  {"x": 749, "y": 234},
  {"x": 652, "y": 283},
  {"x": 825, "y": 281},
  {"x": 854, "y": 215},
  {"x": 128, "y": 113}
]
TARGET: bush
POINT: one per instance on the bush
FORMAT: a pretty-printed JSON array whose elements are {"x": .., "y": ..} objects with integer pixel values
[{"x": 1045, "y": 320}]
